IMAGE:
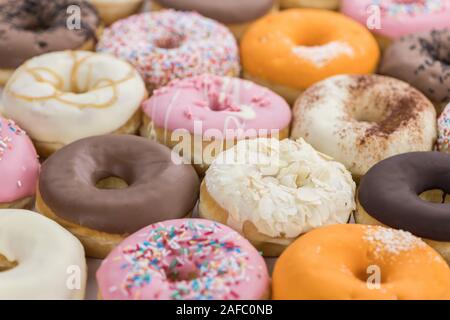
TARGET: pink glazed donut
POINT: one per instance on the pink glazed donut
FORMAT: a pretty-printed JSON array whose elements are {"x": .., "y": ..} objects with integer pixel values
[
  {"x": 399, "y": 17},
  {"x": 19, "y": 166},
  {"x": 209, "y": 107},
  {"x": 185, "y": 259}
]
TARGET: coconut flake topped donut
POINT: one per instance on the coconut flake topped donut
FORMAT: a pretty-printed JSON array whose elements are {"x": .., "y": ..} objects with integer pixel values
[
  {"x": 399, "y": 17},
  {"x": 273, "y": 191},
  {"x": 61, "y": 97},
  {"x": 185, "y": 259},
  {"x": 19, "y": 166},
  {"x": 168, "y": 44},
  {"x": 361, "y": 120},
  {"x": 444, "y": 130}
]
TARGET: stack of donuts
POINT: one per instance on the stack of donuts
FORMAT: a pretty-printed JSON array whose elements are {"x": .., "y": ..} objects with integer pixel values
[{"x": 187, "y": 143}]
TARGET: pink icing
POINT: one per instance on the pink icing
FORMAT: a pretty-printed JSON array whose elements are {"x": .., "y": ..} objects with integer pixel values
[
  {"x": 19, "y": 165},
  {"x": 401, "y": 17},
  {"x": 185, "y": 259},
  {"x": 221, "y": 103}
]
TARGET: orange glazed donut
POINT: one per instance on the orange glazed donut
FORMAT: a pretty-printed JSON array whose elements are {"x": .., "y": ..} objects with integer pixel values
[
  {"x": 360, "y": 262},
  {"x": 293, "y": 49}
]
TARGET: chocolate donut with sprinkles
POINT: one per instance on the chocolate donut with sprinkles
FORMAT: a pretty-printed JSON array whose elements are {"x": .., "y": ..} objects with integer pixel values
[
  {"x": 29, "y": 28},
  {"x": 168, "y": 45},
  {"x": 423, "y": 60},
  {"x": 185, "y": 259}
]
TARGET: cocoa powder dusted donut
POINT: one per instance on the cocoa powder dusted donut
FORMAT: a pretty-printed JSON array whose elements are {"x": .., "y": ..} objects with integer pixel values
[
  {"x": 236, "y": 14},
  {"x": 410, "y": 192},
  {"x": 106, "y": 187},
  {"x": 361, "y": 120},
  {"x": 423, "y": 60},
  {"x": 30, "y": 28}
]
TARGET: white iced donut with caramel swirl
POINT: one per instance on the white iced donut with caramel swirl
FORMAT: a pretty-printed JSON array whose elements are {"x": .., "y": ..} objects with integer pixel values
[
  {"x": 64, "y": 96},
  {"x": 273, "y": 191}
]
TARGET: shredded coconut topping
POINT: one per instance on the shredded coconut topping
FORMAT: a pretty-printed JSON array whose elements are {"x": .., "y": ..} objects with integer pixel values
[{"x": 285, "y": 188}]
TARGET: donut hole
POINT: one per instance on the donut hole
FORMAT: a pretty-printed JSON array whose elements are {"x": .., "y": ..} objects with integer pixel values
[
  {"x": 111, "y": 183},
  {"x": 435, "y": 196},
  {"x": 5, "y": 264},
  {"x": 187, "y": 272},
  {"x": 365, "y": 276},
  {"x": 171, "y": 41}
]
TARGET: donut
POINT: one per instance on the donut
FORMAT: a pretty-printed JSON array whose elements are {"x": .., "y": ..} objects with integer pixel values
[
  {"x": 361, "y": 120},
  {"x": 443, "y": 142},
  {"x": 237, "y": 15},
  {"x": 291, "y": 50},
  {"x": 318, "y": 4},
  {"x": 411, "y": 192},
  {"x": 39, "y": 259},
  {"x": 391, "y": 19},
  {"x": 168, "y": 45},
  {"x": 19, "y": 166},
  {"x": 357, "y": 262},
  {"x": 30, "y": 28},
  {"x": 61, "y": 97},
  {"x": 106, "y": 187},
  {"x": 423, "y": 60},
  {"x": 184, "y": 259},
  {"x": 273, "y": 191},
  {"x": 113, "y": 10},
  {"x": 211, "y": 113}
]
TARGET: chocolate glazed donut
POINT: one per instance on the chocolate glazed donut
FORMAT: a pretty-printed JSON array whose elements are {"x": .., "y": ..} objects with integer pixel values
[
  {"x": 32, "y": 27},
  {"x": 390, "y": 191},
  {"x": 157, "y": 188},
  {"x": 229, "y": 11}
]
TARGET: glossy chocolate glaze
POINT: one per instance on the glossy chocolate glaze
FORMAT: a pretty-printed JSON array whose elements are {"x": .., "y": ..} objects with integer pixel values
[
  {"x": 390, "y": 191},
  {"x": 158, "y": 189},
  {"x": 423, "y": 60},
  {"x": 228, "y": 11},
  {"x": 32, "y": 27}
]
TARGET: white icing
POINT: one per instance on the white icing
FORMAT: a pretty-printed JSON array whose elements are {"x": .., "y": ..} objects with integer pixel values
[
  {"x": 332, "y": 125},
  {"x": 47, "y": 256},
  {"x": 324, "y": 54},
  {"x": 72, "y": 116},
  {"x": 285, "y": 188}
]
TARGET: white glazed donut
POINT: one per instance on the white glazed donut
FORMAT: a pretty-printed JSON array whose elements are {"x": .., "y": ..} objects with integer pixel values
[
  {"x": 50, "y": 262},
  {"x": 361, "y": 120},
  {"x": 64, "y": 96},
  {"x": 273, "y": 191}
]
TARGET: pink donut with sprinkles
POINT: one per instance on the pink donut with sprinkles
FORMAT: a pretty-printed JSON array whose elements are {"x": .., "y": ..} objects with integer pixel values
[
  {"x": 212, "y": 113},
  {"x": 19, "y": 166},
  {"x": 185, "y": 259},
  {"x": 443, "y": 142},
  {"x": 168, "y": 44}
]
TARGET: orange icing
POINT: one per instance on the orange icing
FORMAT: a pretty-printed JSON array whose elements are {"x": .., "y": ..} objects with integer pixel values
[
  {"x": 332, "y": 263},
  {"x": 268, "y": 47}
]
